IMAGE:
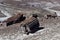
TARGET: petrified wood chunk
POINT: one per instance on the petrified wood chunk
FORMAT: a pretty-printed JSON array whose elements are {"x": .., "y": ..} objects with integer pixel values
[
  {"x": 30, "y": 25},
  {"x": 51, "y": 16},
  {"x": 16, "y": 18}
]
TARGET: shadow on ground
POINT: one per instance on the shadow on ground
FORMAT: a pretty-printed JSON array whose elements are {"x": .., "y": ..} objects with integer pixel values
[{"x": 33, "y": 30}]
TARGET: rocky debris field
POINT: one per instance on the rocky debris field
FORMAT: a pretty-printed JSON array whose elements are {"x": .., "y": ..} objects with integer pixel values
[
  {"x": 51, "y": 31},
  {"x": 51, "y": 26}
]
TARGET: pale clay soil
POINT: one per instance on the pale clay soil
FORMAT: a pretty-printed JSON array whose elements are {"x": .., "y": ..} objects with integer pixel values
[{"x": 51, "y": 31}]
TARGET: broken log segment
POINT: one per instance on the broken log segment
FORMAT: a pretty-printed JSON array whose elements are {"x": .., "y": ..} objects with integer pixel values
[
  {"x": 16, "y": 18},
  {"x": 30, "y": 24},
  {"x": 13, "y": 17}
]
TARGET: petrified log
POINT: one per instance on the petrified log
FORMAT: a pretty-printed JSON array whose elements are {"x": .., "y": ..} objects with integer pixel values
[
  {"x": 30, "y": 25},
  {"x": 16, "y": 18}
]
